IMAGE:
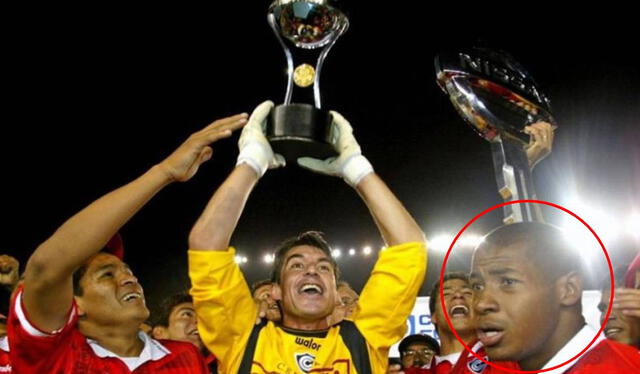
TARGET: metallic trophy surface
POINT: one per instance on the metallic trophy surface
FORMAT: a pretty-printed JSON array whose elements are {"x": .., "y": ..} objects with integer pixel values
[
  {"x": 498, "y": 98},
  {"x": 306, "y": 30}
]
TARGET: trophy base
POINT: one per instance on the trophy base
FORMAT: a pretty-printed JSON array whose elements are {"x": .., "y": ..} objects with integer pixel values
[{"x": 300, "y": 130}]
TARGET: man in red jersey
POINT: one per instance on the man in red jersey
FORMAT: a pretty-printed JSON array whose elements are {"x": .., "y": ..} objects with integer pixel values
[
  {"x": 79, "y": 310},
  {"x": 452, "y": 357},
  {"x": 527, "y": 300},
  {"x": 458, "y": 294},
  {"x": 458, "y": 302}
]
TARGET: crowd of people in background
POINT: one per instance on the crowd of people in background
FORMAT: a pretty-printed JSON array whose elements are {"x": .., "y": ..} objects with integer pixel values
[{"x": 78, "y": 308}]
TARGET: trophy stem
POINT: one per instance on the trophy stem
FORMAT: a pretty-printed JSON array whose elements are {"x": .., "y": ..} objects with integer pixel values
[{"x": 514, "y": 180}]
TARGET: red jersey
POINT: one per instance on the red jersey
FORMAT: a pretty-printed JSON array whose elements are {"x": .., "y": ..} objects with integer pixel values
[
  {"x": 68, "y": 351},
  {"x": 603, "y": 357},
  {"x": 5, "y": 362},
  {"x": 444, "y": 364},
  {"x": 470, "y": 364},
  {"x": 608, "y": 357}
]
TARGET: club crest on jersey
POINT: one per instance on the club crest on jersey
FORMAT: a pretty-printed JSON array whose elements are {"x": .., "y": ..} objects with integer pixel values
[
  {"x": 304, "y": 361},
  {"x": 476, "y": 365}
]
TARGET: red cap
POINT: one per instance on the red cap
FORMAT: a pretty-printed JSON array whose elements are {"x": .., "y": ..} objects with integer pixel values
[{"x": 115, "y": 246}]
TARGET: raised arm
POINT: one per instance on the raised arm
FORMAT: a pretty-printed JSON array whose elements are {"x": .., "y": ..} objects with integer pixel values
[
  {"x": 213, "y": 230},
  {"x": 394, "y": 222},
  {"x": 221, "y": 297},
  {"x": 399, "y": 271},
  {"x": 48, "y": 289}
]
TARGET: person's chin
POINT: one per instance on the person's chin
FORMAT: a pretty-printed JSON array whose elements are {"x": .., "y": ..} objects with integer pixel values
[
  {"x": 500, "y": 352},
  {"x": 463, "y": 326}
]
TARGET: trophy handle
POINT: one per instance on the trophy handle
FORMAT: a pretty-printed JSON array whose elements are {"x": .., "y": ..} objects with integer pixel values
[
  {"x": 291, "y": 63},
  {"x": 316, "y": 82}
]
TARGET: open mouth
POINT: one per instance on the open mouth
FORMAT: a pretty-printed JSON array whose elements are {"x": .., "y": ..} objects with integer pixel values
[
  {"x": 274, "y": 306},
  {"x": 612, "y": 331},
  {"x": 194, "y": 332},
  {"x": 490, "y": 336},
  {"x": 459, "y": 311},
  {"x": 311, "y": 289},
  {"x": 132, "y": 296}
]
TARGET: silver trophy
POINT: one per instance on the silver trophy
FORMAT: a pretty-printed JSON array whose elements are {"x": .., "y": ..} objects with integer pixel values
[
  {"x": 498, "y": 98},
  {"x": 306, "y": 30}
]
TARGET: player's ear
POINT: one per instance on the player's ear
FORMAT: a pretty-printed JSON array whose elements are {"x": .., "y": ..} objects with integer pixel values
[
  {"x": 276, "y": 292},
  {"x": 160, "y": 332},
  {"x": 434, "y": 319},
  {"x": 569, "y": 289},
  {"x": 79, "y": 306}
]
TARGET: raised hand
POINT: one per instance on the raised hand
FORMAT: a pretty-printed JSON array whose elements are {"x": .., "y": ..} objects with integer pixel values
[{"x": 184, "y": 162}]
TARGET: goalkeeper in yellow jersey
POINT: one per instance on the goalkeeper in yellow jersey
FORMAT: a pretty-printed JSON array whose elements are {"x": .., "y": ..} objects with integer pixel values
[{"x": 304, "y": 273}]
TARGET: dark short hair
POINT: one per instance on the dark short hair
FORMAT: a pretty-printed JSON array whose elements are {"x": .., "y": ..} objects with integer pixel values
[
  {"x": 168, "y": 304},
  {"x": 435, "y": 290},
  {"x": 421, "y": 339},
  {"x": 546, "y": 246},
  {"x": 77, "y": 276},
  {"x": 310, "y": 238},
  {"x": 259, "y": 284}
]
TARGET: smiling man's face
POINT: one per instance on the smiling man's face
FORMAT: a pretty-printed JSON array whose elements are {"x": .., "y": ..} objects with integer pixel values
[
  {"x": 619, "y": 327},
  {"x": 307, "y": 287},
  {"x": 457, "y": 299},
  {"x": 183, "y": 325},
  {"x": 110, "y": 293}
]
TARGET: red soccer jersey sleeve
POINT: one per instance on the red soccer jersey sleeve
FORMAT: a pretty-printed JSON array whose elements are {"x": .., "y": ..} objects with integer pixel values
[
  {"x": 34, "y": 351},
  {"x": 67, "y": 350},
  {"x": 608, "y": 357}
]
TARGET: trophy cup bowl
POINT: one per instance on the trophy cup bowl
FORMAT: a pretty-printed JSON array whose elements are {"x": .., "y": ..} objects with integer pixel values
[
  {"x": 306, "y": 30},
  {"x": 309, "y": 24},
  {"x": 492, "y": 92}
]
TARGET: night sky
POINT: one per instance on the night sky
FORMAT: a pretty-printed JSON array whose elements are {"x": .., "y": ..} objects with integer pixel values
[{"x": 94, "y": 97}]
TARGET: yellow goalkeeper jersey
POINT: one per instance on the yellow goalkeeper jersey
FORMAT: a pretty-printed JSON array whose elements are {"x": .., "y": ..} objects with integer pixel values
[{"x": 227, "y": 314}]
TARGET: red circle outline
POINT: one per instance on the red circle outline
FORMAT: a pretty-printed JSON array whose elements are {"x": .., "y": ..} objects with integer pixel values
[{"x": 446, "y": 258}]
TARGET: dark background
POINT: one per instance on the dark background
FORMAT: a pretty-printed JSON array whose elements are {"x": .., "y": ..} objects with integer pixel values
[{"x": 94, "y": 97}]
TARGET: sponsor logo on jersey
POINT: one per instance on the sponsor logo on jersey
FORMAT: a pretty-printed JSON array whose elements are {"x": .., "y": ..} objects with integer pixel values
[
  {"x": 309, "y": 343},
  {"x": 476, "y": 365},
  {"x": 304, "y": 361}
]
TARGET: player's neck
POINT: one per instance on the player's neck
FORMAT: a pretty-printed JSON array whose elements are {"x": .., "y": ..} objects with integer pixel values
[
  {"x": 297, "y": 323},
  {"x": 568, "y": 327},
  {"x": 449, "y": 344},
  {"x": 122, "y": 341}
]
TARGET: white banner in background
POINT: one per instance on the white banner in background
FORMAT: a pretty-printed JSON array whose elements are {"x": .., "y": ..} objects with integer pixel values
[{"x": 419, "y": 321}]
